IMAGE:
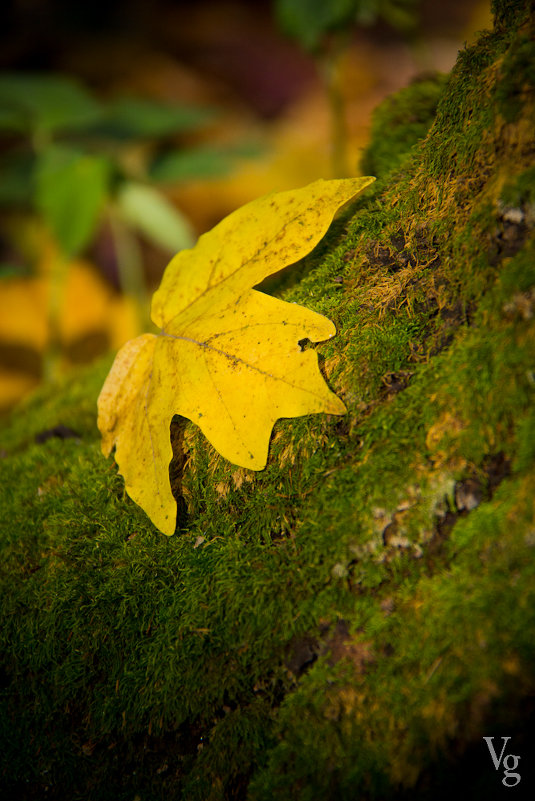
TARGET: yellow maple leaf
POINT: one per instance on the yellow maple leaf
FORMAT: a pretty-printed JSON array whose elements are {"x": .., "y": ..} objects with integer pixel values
[{"x": 227, "y": 356}]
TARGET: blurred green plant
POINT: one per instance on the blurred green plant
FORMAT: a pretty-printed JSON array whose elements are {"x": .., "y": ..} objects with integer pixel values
[
  {"x": 323, "y": 28},
  {"x": 76, "y": 162},
  {"x": 65, "y": 155}
]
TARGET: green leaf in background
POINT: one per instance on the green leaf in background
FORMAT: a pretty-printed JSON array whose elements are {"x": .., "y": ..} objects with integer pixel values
[
  {"x": 71, "y": 188},
  {"x": 12, "y": 120},
  {"x": 135, "y": 118},
  {"x": 10, "y": 270},
  {"x": 154, "y": 216},
  {"x": 16, "y": 178},
  {"x": 182, "y": 165},
  {"x": 44, "y": 103},
  {"x": 401, "y": 14},
  {"x": 308, "y": 20}
]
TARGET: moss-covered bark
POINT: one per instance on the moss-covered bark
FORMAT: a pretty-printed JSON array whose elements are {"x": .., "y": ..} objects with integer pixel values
[{"x": 352, "y": 621}]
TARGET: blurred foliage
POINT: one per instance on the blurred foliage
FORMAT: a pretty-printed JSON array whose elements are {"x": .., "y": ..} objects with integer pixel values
[
  {"x": 72, "y": 166},
  {"x": 65, "y": 155},
  {"x": 309, "y": 21},
  {"x": 69, "y": 190},
  {"x": 323, "y": 28},
  {"x": 62, "y": 314}
]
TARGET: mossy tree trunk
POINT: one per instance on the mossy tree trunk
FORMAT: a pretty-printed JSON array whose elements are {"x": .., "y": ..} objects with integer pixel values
[{"x": 352, "y": 621}]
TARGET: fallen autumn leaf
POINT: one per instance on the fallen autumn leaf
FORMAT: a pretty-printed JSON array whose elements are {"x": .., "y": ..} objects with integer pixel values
[{"x": 227, "y": 356}]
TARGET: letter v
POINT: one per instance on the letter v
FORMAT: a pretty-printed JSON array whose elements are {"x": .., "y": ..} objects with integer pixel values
[{"x": 493, "y": 752}]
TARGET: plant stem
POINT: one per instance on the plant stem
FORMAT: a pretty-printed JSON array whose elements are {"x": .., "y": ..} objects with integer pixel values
[
  {"x": 330, "y": 63},
  {"x": 56, "y": 298},
  {"x": 130, "y": 268}
]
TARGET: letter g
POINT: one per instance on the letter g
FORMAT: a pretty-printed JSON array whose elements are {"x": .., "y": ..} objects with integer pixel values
[{"x": 508, "y": 770}]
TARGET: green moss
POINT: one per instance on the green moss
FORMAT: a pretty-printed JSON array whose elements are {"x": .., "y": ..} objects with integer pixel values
[
  {"x": 517, "y": 79},
  {"x": 519, "y": 193},
  {"x": 399, "y": 123},
  {"x": 351, "y": 621},
  {"x": 509, "y": 14}
]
